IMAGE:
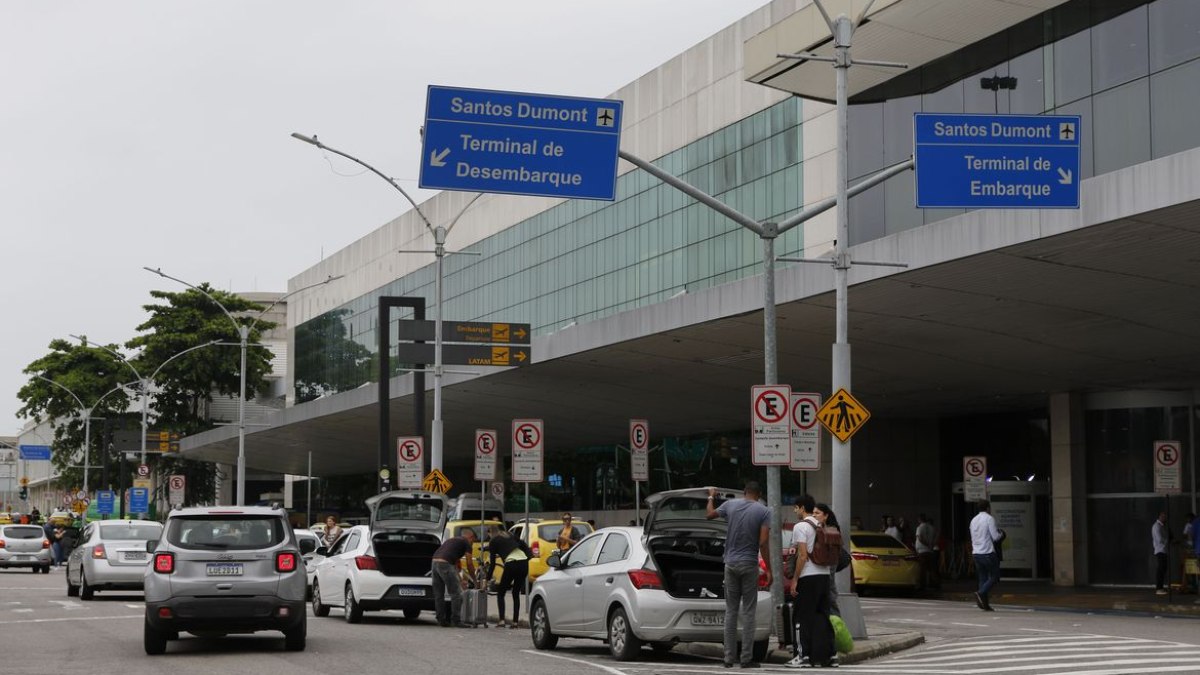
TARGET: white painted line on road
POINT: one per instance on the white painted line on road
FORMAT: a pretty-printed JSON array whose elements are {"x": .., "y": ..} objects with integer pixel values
[
  {"x": 132, "y": 606},
  {"x": 67, "y": 604},
  {"x": 1140, "y": 664},
  {"x": 605, "y": 668},
  {"x": 972, "y": 625},
  {"x": 1005, "y": 655},
  {"x": 1039, "y": 630},
  {"x": 68, "y": 618}
]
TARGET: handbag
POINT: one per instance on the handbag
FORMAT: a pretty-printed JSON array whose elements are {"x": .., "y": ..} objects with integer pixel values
[{"x": 843, "y": 559}]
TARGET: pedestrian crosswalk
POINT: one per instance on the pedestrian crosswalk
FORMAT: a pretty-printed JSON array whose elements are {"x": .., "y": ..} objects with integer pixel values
[{"x": 1044, "y": 653}]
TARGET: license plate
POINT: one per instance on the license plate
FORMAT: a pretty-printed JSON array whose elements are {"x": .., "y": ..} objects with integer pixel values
[
  {"x": 133, "y": 556},
  {"x": 891, "y": 563},
  {"x": 411, "y": 591},
  {"x": 224, "y": 569},
  {"x": 708, "y": 618},
  {"x": 22, "y": 558}
]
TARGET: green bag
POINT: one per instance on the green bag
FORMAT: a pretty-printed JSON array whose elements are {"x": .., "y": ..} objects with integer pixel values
[{"x": 842, "y": 639}]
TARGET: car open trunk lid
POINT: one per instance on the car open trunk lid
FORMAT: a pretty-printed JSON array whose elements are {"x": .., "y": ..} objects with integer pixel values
[
  {"x": 685, "y": 546},
  {"x": 406, "y": 528}
]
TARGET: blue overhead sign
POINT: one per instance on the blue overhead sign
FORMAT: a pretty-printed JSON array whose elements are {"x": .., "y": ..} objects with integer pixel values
[
  {"x": 522, "y": 144},
  {"x": 34, "y": 451},
  {"x": 139, "y": 500},
  {"x": 997, "y": 161},
  {"x": 105, "y": 502}
]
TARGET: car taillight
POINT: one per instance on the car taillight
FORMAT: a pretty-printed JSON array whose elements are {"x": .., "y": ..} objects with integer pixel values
[
  {"x": 45, "y": 543},
  {"x": 285, "y": 562},
  {"x": 537, "y": 549},
  {"x": 911, "y": 557},
  {"x": 1, "y": 543},
  {"x": 164, "y": 563},
  {"x": 645, "y": 579},
  {"x": 366, "y": 562},
  {"x": 99, "y": 553},
  {"x": 863, "y": 556}
]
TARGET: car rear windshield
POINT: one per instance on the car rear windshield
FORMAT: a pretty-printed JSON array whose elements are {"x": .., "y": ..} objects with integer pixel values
[
  {"x": 138, "y": 532},
  {"x": 28, "y": 532},
  {"x": 875, "y": 541},
  {"x": 425, "y": 510},
  {"x": 226, "y": 532}
]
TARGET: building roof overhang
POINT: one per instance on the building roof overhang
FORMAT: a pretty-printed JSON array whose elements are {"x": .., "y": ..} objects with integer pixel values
[{"x": 912, "y": 32}]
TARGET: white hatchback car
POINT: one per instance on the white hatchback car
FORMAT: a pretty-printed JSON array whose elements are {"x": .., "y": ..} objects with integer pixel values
[
  {"x": 385, "y": 565},
  {"x": 111, "y": 555},
  {"x": 660, "y": 585}
]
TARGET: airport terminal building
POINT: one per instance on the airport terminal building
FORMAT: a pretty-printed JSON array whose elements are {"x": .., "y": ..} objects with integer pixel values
[{"x": 1061, "y": 344}]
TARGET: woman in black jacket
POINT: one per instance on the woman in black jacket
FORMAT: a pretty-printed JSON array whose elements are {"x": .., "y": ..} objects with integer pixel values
[{"x": 514, "y": 554}]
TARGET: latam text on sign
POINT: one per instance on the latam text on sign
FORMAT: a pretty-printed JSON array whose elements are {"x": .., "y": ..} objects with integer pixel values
[
  {"x": 519, "y": 143},
  {"x": 465, "y": 355},
  {"x": 997, "y": 161}
]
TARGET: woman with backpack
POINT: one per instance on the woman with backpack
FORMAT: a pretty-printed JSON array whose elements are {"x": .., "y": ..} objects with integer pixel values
[
  {"x": 825, "y": 516},
  {"x": 810, "y": 606}
]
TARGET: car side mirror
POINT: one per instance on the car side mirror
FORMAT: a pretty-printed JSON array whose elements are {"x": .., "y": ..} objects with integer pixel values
[
  {"x": 554, "y": 561},
  {"x": 321, "y": 550},
  {"x": 151, "y": 546},
  {"x": 307, "y": 546}
]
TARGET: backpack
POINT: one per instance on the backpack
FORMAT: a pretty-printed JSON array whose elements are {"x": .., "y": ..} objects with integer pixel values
[{"x": 827, "y": 545}]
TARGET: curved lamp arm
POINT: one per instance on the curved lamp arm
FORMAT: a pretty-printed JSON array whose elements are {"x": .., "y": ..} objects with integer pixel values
[{"x": 106, "y": 349}]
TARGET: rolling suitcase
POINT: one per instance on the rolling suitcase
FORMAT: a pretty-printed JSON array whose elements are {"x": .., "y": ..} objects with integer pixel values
[{"x": 474, "y": 608}]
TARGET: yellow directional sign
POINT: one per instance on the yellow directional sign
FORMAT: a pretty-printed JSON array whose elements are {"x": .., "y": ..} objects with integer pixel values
[
  {"x": 437, "y": 482},
  {"x": 843, "y": 415},
  {"x": 24, "y": 481}
]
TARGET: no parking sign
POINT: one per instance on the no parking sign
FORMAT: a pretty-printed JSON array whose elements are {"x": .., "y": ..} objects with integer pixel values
[{"x": 410, "y": 465}]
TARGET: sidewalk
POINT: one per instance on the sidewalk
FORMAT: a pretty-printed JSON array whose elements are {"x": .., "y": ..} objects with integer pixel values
[{"x": 1045, "y": 595}]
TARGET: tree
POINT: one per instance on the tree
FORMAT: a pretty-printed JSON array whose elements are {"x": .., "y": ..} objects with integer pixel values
[{"x": 94, "y": 376}]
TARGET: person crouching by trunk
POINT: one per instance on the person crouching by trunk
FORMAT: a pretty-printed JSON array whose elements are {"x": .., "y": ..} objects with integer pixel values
[
  {"x": 514, "y": 554},
  {"x": 746, "y": 539},
  {"x": 446, "y": 579}
]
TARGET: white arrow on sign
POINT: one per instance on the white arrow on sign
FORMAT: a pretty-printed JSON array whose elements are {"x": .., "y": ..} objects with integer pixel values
[
  {"x": 438, "y": 158},
  {"x": 1066, "y": 176}
]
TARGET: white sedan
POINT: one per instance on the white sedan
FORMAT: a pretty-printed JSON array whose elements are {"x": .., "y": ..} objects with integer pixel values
[
  {"x": 111, "y": 555},
  {"x": 656, "y": 586},
  {"x": 353, "y": 578}
]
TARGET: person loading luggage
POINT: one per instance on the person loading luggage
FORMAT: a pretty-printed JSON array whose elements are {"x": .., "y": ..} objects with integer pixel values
[
  {"x": 446, "y": 579},
  {"x": 515, "y": 555}
]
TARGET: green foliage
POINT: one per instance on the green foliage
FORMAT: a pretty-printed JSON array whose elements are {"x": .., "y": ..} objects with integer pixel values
[{"x": 182, "y": 383}]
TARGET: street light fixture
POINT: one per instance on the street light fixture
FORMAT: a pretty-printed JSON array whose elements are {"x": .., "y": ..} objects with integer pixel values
[
  {"x": 439, "y": 250},
  {"x": 243, "y": 331}
]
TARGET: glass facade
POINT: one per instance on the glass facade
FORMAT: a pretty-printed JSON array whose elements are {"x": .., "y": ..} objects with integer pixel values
[{"x": 583, "y": 260}]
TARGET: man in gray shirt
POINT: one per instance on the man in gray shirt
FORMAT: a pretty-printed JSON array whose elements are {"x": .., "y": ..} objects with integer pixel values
[{"x": 746, "y": 539}]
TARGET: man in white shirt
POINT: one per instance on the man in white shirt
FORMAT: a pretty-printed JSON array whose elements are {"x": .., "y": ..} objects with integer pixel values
[
  {"x": 1159, "y": 537},
  {"x": 927, "y": 554},
  {"x": 984, "y": 536},
  {"x": 810, "y": 606}
]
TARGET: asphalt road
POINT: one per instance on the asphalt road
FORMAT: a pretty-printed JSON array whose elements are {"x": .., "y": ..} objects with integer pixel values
[{"x": 44, "y": 631}]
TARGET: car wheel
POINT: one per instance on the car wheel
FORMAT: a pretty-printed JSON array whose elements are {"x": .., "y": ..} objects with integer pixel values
[
  {"x": 319, "y": 608},
  {"x": 72, "y": 589},
  {"x": 85, "y": 592},
  {"x": 294, "y": 639},
  {"x": 761, "y": 648},
  {"x": 154, "y": 640},
  {"x": 352, "y": 610},
  {"x": 46, "y": 569},
  {"x": 412, "y": 614},
  {"x": 662, "y": 647},
  {"x": 622, "y": 643},
  {"x": 543, "y": 638}
]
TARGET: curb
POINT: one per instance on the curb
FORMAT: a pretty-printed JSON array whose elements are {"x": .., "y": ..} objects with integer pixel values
[
  {"x": 864, "y": 650},
  {"x": 1191, "y": 610}
]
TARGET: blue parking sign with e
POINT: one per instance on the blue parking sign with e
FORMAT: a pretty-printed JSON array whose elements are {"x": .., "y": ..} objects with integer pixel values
[
  {"x": 519, "y": 143},
  {"x": 105, "y": 502}
]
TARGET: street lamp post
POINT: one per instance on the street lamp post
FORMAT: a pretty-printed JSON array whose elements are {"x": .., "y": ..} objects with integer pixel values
[
  {"x": 439, "y": 250},
  {"x": 243, "y": 331}
]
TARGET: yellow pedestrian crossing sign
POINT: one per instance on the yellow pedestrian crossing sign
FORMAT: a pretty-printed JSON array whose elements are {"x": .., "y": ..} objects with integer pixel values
[
  {"x": 437, "y": 482},
  {"x": 843, "y": 415}
]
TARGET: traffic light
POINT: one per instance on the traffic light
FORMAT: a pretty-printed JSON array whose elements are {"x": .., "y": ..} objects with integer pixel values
[{"x": 24, "y": 493}]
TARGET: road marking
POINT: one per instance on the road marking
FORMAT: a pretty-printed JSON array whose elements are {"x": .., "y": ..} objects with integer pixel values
[
  {"x": 67, "y": 618},
  {"x": 605, "y": 668},
  {"x": 973, "y": 625},
  {"x": 67, "y": 604},
  {"x": 130, "y": 606},
  {"x": 1039, "y": 630}
]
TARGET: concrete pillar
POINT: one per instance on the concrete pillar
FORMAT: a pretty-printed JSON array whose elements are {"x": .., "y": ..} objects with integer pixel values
[
  {"x": 1068, "y": 489},
  {"x": 224, "y": 494}
]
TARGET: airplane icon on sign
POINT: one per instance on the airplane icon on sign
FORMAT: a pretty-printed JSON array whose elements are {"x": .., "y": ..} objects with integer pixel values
[
  {"x": 605, "y": 118},
  {"x": 1066, "y": 131}
]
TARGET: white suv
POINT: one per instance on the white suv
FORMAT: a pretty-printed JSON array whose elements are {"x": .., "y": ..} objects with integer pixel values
[{"x": 225, "y": 569}]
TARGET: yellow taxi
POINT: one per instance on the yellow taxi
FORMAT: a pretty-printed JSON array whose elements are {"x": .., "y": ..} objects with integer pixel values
[
  {"x": 544, "y": 540},
  {"x": 5, "y": 518},
  {"x": 481, "y": 529},
  {"x": 881, "y": 561}
]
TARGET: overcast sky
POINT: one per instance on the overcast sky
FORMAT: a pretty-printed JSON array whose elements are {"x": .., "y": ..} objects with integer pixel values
[{"x": 157, "y": 133}]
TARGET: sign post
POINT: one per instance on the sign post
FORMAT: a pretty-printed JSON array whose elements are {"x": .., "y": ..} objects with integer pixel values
[
  {"x": 974, "y": 478},
  {"x": 806, "y": 432},
  {"x": 410, "y": 462},
  {"x": 997, "y": 161},
  {"x": 771, "y": 425},
  {"x": 518, "y": 143},
  {"x": 1167, "y": 469}
]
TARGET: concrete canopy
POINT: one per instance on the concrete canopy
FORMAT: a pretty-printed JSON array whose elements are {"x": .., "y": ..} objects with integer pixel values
[
  {"x": 998, "y": 310},
  {"x": 913, "y": 32}
]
